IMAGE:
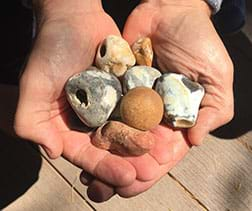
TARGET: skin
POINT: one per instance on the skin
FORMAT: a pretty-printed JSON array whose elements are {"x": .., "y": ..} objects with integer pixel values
[
  {"x": 184, "y": 41},
  {"x": 66, "y": 44}
]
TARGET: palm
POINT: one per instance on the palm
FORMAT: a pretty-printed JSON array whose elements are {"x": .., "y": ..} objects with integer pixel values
[
  {"x": 63, "y": 48},
  {"x": 186, "y": 42}
]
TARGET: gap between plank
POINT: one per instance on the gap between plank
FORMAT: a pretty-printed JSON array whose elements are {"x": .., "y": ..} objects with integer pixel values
[
  {"x": 64, "y": 178},
  {"x": 188, "y": 192}
]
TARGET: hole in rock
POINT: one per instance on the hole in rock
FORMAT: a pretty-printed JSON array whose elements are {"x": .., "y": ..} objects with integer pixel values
[
  {"x": 184, "y": 123},
  {"x": 82, "y": 96},
  {"x": 103, "y": 50}
]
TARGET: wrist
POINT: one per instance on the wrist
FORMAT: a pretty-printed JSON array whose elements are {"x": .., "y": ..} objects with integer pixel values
[
  {"x": 200, "y": 5},
  {"x": 65, "y": 8}
]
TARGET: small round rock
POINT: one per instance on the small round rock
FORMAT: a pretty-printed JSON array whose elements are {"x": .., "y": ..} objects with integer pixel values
[{"x": 142, "y": 108}]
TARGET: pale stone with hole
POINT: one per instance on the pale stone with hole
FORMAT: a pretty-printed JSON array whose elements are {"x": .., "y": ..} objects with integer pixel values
[
  {"x": 181, "y": 97},
  {"x": 93, "y": 95},
  {"x": 140, "y": 76},
  {"x": 114, "y": 55}
]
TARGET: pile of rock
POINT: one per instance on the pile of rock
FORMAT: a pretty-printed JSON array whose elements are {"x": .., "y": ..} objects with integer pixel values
[{"x": 140, "y": 96}]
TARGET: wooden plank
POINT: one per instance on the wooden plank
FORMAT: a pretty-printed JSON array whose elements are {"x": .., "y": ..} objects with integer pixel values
[
  {"x": 218, "y": 174},
  {"x": 246, "y": 140},
  {"x": 31, "y": 183},
  {"x": 166, "y": 195}
]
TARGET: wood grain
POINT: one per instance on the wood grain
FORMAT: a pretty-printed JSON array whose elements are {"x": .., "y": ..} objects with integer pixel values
[
  {"x": 50, "y": 192},
  {"x": 166, "y": 195},
  {"x": 218, "y": 174}
]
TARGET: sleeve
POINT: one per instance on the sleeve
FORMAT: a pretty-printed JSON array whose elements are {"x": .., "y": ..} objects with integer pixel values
[
  {"x": 231, "y": 16},
  {"x": 27, "y": 3},
  {"x": 215, "y": 5}
]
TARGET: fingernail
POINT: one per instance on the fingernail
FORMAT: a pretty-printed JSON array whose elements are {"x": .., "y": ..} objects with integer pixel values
[
  {"x": 86, "y": 178},
  {"x": 99, "y": 191}
]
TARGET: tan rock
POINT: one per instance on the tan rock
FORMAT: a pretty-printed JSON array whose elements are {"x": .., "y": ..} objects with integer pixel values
[
  {"x": 142, "y": 108},
  {"x": 143, "y": 52},
  {"x": 122, "y": 139},
  {"x": 114, "y": 55}
]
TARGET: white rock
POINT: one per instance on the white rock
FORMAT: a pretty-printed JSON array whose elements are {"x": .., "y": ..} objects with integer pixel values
[
  {"x": 181, "y": 97},
  {"x": 140, "y": 76}
]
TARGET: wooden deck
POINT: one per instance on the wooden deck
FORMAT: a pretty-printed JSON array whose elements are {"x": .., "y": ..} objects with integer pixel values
[{"x": 214, "y": 176}]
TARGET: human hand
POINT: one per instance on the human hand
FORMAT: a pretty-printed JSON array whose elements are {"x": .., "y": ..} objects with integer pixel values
[
  {"x": 66, "y": 43},
  {"x": 68, "y": 35},
  {"x": 185, "y": 41},
  {"x": 170, "y": 147}
]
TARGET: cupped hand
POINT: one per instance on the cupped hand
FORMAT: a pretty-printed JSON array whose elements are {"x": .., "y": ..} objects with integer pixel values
[
  {"x": 66, "y": 42},
  {"x": 170, "y": 147},
  {"x": 185, "y": 41},
  {"x": 68, "y": 34}
]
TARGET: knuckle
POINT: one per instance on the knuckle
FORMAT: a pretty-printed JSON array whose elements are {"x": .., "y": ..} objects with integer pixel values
[
  {"x": 229, "y": 114},
  {"x": 227, "y": 66},
  {"x": 21, "y": 128}
]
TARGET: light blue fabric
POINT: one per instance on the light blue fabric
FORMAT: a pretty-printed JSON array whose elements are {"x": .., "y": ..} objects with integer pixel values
[{"x": 215, "y": 4}]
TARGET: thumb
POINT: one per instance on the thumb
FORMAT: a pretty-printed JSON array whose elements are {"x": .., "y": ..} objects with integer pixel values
[
  {"x": 33, "y": 118},
  {"x": 208, "y": 120},
  {"x": 138, "y": 24}
]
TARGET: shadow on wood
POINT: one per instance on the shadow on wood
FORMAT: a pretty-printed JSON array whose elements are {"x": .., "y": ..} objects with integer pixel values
[{"x": 20, "y": 166}]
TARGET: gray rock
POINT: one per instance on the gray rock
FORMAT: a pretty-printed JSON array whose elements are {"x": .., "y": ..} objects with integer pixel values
[
  {"x": 93, "y": 95},
  {"x": 181, "y": 97},
  {"x": 140, "y": 76}
]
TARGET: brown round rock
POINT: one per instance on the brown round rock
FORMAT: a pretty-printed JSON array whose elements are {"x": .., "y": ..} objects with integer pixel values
[{"x": 142, "y": 108}]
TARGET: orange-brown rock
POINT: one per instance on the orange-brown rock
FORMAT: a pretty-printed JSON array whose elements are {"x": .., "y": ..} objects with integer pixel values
[
  {"x": 142, "y": 49},
  {"x": 122, "y": 139},
  {"x": 142, "y": 108}
]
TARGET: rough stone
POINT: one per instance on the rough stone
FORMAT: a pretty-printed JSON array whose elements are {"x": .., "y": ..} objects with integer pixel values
[
  {"x": 93, "y": 95},
  {"x": 122, "y": 139},
  {"x": 143, "y": 52},
  {"x": 181, "y": 97},
  {"x": 114, "y": 55},
  {"x": 142, "y": 108},
  {"x": 140, "y": 76}
]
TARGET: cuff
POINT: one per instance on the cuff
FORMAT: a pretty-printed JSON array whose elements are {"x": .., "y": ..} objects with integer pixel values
[
  {"x": 27, "y": 3},
  {"x": 215, "y": 5}
]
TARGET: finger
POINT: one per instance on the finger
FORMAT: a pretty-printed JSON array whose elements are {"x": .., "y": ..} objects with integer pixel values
[
  {"x": 180, "y": 150},
  {"x": 162, "y": 152},
  {"x": 99, "y": 191},
  {"x": 208, "y": 120},
  {"x": 86, "y": 178},
  {"x": 133, "y": 29},
  {"x": 168, "y": 140},
  {"x": 135, "y": 141},
  {"x": 140, "y": 186},
  {"x": 107, "y": 167},
  {"x": 145, "y": 165},
  {"x": 31, "y": 122}
]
